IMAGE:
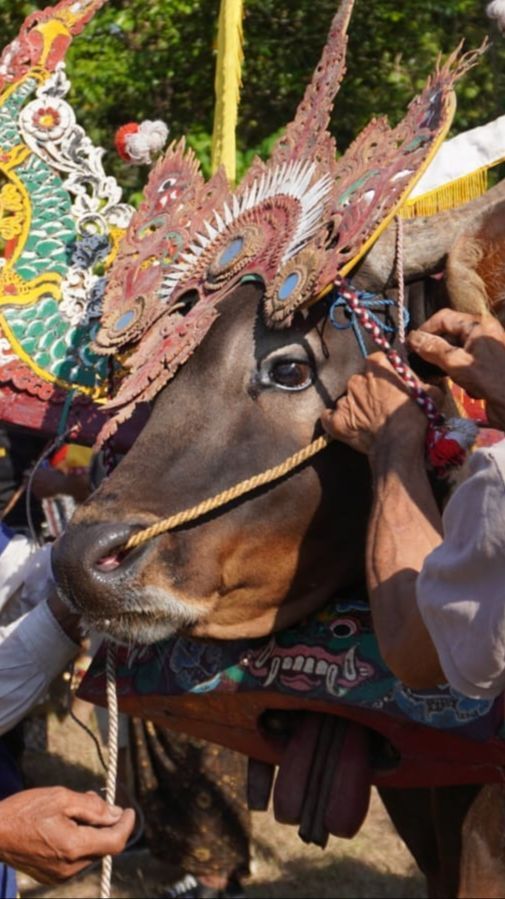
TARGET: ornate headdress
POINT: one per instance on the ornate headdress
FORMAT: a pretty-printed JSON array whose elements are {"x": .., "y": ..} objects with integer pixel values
[{"x": 294, "y": 223}]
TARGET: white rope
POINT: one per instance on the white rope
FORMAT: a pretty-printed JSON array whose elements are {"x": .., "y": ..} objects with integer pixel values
[
  {"x": 113, "y": 741},
  {"x": 400, "y": 277}
]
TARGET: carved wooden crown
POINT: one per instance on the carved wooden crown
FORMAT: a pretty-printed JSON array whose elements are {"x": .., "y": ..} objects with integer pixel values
[{"x": 293, "y": 223}]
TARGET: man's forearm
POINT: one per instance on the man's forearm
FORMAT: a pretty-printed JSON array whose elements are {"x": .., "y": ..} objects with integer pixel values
[{"x": 405, "y": 526}]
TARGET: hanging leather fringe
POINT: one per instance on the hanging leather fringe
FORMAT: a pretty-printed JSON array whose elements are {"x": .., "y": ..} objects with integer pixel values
[{"x": 228, "y": 81}]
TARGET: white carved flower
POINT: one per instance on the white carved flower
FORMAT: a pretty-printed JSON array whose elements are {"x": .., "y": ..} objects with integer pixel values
[{"x": 47, "y": 119}]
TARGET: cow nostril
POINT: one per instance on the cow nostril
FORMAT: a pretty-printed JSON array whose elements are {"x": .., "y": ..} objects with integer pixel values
[
  {"x": 96, "y": 551},
  {"x": 109, "y": 563},
  {"x": 112, "y": 561}
]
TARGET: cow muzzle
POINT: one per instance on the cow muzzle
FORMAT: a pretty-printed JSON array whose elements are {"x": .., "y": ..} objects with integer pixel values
[{"x": 93, "y": 570}]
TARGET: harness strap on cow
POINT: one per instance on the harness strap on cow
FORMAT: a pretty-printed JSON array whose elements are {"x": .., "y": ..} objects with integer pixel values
[
  {"x": 447, "y": 441},
  {"x": 379, "y": 311}
]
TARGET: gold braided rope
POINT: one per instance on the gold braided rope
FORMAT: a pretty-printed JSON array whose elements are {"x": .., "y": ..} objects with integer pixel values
[{"x": 221, "y": 499}]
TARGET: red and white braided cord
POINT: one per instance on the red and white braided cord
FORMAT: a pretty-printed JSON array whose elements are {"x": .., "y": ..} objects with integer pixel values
[{"x": 415, "y": 389}]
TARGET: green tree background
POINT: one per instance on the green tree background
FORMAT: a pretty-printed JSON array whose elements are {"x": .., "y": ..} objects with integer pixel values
[{"x": 143, "y": 59}]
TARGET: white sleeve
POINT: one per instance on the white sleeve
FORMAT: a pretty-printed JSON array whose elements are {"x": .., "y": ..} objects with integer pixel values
[
  {"x": 461, "y": 588},
  {"x": 13, "y": 565},
  {"x": 33, "y": 651}
]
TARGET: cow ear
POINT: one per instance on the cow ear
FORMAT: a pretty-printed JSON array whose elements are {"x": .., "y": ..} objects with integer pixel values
[{"x": 476, "y": 267}]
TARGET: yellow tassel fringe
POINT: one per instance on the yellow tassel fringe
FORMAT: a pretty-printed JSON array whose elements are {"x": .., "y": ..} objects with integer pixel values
[{"x": 449, "y": 196}]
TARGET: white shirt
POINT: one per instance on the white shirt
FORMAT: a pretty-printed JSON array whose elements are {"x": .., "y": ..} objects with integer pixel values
[
  {"x": 33, "y": 648},
  {"x": 26, "y": 576},
  {"x": 461, "y": 589},
  {"x": 33, "y": 651}
]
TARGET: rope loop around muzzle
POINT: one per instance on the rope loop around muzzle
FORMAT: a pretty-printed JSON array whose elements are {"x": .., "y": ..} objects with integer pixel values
[{"x": 227, "y": 496}]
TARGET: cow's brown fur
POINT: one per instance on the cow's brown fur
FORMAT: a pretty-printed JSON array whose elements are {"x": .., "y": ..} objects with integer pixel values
[
  {"x": 476, "y": 267},
  {"x": 270, "y": 560},
  {"x": 483, "y": 856}
]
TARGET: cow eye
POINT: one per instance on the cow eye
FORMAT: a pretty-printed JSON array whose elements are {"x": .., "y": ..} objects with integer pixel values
[{"x": 291, "y": 375}]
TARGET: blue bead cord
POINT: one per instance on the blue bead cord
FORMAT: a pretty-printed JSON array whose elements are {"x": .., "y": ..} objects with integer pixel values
[{"x": 374, "y": 305}]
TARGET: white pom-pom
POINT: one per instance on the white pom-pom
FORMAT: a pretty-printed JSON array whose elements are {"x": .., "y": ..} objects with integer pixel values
[
  {"x": 496, "y": 11},
  {"x": 145, "y": 144}
]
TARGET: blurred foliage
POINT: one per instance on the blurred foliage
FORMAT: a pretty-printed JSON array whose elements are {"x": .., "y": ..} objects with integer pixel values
[{"x": 143, "y": 59}]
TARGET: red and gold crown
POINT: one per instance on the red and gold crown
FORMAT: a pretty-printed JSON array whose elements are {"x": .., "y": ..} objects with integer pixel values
[{"x": 294, "y": 222}]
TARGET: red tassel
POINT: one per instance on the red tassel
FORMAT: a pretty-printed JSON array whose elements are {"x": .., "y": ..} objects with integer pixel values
[
  {"x": 448, "y": 445},
  {"x": 121, "y": 139}
]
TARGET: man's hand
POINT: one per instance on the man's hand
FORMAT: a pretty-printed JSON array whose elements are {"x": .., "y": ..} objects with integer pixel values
[
  {"x": 52, "y": 833},
  {"x": 377, "y": 417},
  {"x": 475, "y": 359},
  {"x": 375, "y": 407}
]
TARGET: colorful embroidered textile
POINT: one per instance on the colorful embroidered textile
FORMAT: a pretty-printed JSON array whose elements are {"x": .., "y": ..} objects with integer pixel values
[{"x": 331, "y": 657}]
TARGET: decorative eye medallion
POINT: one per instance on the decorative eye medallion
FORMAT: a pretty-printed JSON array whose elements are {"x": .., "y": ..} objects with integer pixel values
[
  {"x": 230, "y": 252},
  {"x": 124, "y": 321},
  {"x": 291, "y": 288},
  {"x": 288, "y": 286},
  {"x": 235, "y": 252},
  {"x": 123, "y": 328}
]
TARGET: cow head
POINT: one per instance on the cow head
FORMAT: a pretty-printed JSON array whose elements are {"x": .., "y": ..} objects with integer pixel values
[
  {"x": 249, "y": 398},
  {"x": 241, "y": 275}
]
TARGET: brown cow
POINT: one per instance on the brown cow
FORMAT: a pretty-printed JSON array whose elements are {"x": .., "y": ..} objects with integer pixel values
[{"x": 247, "y": 399}]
